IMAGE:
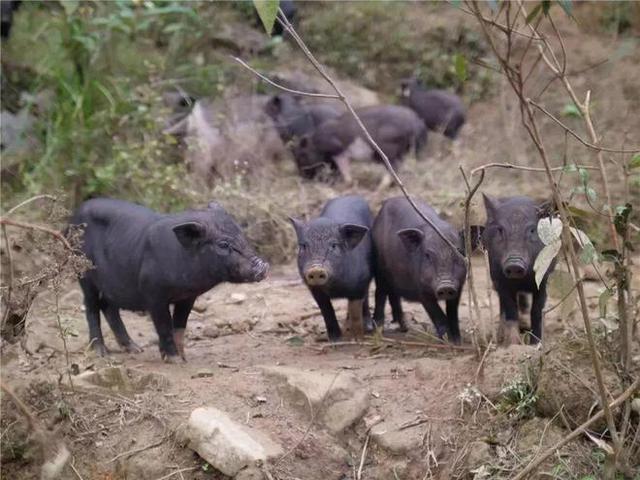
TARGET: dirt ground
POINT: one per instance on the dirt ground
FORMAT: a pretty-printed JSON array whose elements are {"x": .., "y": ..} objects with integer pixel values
[{"x": 236, "y": 330}]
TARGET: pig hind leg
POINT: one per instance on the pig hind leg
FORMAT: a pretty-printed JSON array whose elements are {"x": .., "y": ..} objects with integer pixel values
[
  {"x": 381, "y": 300},
  {"x": 509, "y": 314},
  {"x": 112, "y": 314},
  {"x": 92, "y": 310},
  {"x": 181, "y": 313},
  {"x": 396, "y": 311},
  {"x": 366, "y": 314}
]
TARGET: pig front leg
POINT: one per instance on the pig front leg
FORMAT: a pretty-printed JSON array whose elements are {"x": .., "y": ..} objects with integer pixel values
[
  {"x": 537, "y": 305},
  {"x": 453, "y": 320},
  {"x": 181, "y": 313},
  {"x": 161, "y": 317},
  {"x": 328, "y": 313},
  {"x": 437, "y": 316},
  {"x": 509, "y": 315}
]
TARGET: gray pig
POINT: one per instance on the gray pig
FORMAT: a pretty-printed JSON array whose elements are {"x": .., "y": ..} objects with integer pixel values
[
  {"x": 294, "y": 119},
  {"x": 335, "y": 260},
  {"x": 414, "y": 263},
  {"x": 441, "y": 111},
  {"x": 511, "y": 239},
  {"x": 394, "y": 128},
  {"x": 147, "y": 261}
]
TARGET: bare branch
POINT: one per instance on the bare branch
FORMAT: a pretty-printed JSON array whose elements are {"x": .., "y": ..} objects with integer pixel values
[
  {"x": 482, "y": 168},
  {"x": 281, "y": 87},
  {"x": 577, "y": 137},
  {"x": 30, "y": 226}
]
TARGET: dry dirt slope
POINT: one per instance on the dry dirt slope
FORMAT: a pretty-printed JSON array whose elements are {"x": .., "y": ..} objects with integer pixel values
[{"x": 237, "y": 331}]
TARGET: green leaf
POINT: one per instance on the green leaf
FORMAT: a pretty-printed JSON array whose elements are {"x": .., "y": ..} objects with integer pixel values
[
  {"x": 589, "y": 255},
  {"x": 635, "y": 161},
  {"x": 534, "y": 13},
  {"x": 267, "y": 11},
  {"x": 460, "y": 63},
  {"x": 570, "y": 110},
  {"x": 295, "y": 341},
  {"x": 70, "y": 6},
  {"x": 567, "y": 6},
  {"x": 549, "y": 229},
  {"x": 544, "y": 260}
]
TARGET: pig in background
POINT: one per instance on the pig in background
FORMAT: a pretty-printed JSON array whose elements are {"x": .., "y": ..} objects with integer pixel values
[
  {"x": 147, "y": 261},
  {"x": 294, "y": 119},
  {"x": 415, "y": 264},
  {"x": 335, "y": 260},
  {"x": 440, "y": 110},
  {"x": 396, "y": 129},
  {"x": 512, "y": 242}
]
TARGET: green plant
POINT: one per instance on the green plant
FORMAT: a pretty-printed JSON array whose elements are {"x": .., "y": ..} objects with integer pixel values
[{"x": 518, "y": 398}]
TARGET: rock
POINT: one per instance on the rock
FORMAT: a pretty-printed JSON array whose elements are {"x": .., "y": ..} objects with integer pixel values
[
  {"x": 531, "y": 438},
  {"x": 120, "y": 379},
  {"x": 250, "y": 473},
  {"x": 226, "y": 445},
  {"x": 338, "y": 400},
  {"x": 504, "y": 365},
  {"x": 389, "y": 436},
  {"x": 200, "y": 306},
  {"x": 479, "y": 455},
  {"x": 237, "y": 297},
  {"x": 211, "y": 331},
  {"x": 203, "y": 373}
]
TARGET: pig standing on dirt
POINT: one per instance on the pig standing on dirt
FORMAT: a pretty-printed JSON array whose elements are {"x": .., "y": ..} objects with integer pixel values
[
  {"x": 394, "y": 128},
  {"x": 294, "y": 119},
  {"x": 414, "y": 263},
  {"x": 335, "y": 260},
  {"x": 441, "y": 111},
  {"x": 511, "y": 239},
  {"x": 147, "y": 261}
]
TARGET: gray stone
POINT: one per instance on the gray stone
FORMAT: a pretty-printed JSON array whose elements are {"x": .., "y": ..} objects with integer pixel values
[
  {"x": 227, "y": 445},
  {"x": 211, "y": 331},
  {"x": 337, "y": 399},
  {"x": 250, "y": 473},
  {"x": 389, "y": 436},
  {"x": 479, "y": 455},
  {"x": 119, "y": 379}
]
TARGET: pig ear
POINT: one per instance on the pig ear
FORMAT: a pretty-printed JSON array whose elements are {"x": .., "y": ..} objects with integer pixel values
[
  {"x": 190, "y": 234},
  {"x": 411, "y": 237},
  {"x": 352, "y": 234},
  {"x": 214, "y": 206},
  {"x": 476, "y": 237},
  {"x": 490, "y": 205},
  {"x": 298, "y": 226}
]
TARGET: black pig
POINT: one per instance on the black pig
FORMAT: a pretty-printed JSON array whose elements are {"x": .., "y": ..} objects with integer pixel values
[
  {"x": 294, "y": 119},
  {"x": 441, "y": 111},
  {"x": 335, "y": 260},
  {"x": 511, "y": 239},
  {"x": 414, "y": 263},
  {"x": 394, "y": 128},
  {"x": 147, "y": 261}
]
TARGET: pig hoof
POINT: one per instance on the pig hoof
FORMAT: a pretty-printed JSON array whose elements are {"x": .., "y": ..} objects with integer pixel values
[
  {"x": 132, "y": 347},
  {"x": 170, "y": 358},
  {"x": 100, "y": 349}
]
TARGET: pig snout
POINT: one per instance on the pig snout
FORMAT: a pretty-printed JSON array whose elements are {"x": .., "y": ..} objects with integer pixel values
[
  {"x": 446, "y": 290},
  {"x": 259, "y": 269},
  {"x": 514, "y": 267},
  {"x": 316, "y": 275}
]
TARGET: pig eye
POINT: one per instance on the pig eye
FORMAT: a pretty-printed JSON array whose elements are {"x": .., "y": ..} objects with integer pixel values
[
  {"x": 500, "y": 232},
  {"x": 302, "y": 247},
  {"x": 224, "y": 245},
  {"x": 427, "y": 256},
  {"x": 335, "y": 247}
]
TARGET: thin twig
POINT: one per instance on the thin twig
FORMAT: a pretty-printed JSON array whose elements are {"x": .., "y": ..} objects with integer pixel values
[
  {"x": 176, "y": 472},
  {"x": 40, "y": 228},
  {"x": 522, "y": 167},
  {"x": 29, "y": 200},
  {"x": 363, "y": 456},
  {"x": 128, "y": 453},
  {"x": 11, "y": 279}
]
